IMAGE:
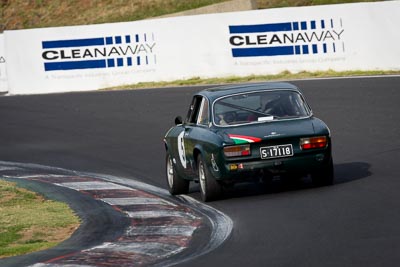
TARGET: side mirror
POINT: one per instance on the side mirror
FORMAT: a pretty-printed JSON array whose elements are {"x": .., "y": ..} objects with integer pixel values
[{"x": 178, "y": 120}]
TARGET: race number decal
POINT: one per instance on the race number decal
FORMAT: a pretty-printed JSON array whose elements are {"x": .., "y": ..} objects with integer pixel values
[{"x": 181, "y": 149}]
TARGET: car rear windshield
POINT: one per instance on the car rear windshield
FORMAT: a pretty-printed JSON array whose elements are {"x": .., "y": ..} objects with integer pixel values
[{"x": 260, "y": 106}]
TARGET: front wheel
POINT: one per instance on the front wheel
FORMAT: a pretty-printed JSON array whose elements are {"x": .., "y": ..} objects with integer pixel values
[
  {"x": 210, "y": 188},
  {"x": 176, "y": 184},
  {"x": 324, "y": 176}
]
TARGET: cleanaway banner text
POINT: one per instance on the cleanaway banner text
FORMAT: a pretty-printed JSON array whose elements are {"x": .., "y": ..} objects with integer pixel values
[{"x": 361, "y": 36}]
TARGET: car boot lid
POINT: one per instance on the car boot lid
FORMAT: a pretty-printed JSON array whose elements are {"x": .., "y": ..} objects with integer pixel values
[{"x": 266, "y": 131}]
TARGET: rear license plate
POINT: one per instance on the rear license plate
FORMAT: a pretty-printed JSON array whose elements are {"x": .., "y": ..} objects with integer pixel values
[{"x": 270, "y": 152}]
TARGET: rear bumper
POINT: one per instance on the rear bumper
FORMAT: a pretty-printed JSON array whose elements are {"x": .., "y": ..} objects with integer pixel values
[{"x": 299, "y": 165}]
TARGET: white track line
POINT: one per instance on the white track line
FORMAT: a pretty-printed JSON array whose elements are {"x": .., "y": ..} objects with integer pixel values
[
  {"x": 158, "y": 214},
  {"x": 82, "y": 186},
  {"x": 182, "y": 230},
  {"x": 59, "y": 265},
  {"x": 137, "y": 201},
  {"x": 154, "y": 249}
]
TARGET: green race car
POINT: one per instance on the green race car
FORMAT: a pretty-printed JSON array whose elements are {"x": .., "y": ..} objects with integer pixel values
[{"x": 241, "y": 132}]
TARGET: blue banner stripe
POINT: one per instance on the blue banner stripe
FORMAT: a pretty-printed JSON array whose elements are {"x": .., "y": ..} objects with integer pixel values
[
  {"x": 109, "y": 40},
  {"x": 315, "y": 49},
  {"x": 273, "y": 27},
  {"x": 297, "y": 49},
  {"x": 110, "y": 63},
  {"x": 72, "y": 65},
  {"x": 313, "y": 25},
  {"x": 263, "y": 51},
  {"x": 305, "y": 49},
  {"x": 120, "y": 62},
  {"x": 72, "y": 43}
]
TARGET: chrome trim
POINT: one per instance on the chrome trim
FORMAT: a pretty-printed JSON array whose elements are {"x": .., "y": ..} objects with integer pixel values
[{"x": 214, "y": 164}]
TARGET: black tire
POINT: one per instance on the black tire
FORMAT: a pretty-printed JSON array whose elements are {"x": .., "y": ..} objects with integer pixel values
[
  {"x": 176, "y": 184},
  {"x": 324, "y": 176},
  {"x": 210, "y": 188}
]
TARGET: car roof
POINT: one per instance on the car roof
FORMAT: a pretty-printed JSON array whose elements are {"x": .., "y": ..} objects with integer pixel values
[{"x": 217, "y": 92}]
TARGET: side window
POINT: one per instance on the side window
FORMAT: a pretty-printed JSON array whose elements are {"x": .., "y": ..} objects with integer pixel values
[
  {"x": 194, "y": 110},
  {"x": 203, "y": 117}
]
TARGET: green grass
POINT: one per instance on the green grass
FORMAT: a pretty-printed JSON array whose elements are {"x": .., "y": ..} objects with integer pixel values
[
  {"x": 22, "y": 14},
  {"x": 286, "y": 75},
  {"x": 29, "y": 222},
  {"x": 290, "y": 3}
]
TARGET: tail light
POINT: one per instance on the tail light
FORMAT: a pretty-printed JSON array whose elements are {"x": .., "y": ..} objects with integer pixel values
[
  {"x": 237, "y": 151},
  {"x": 313, "y": 142}
]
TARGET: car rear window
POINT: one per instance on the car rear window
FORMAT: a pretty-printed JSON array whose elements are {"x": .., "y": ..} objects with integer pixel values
[{"x": 258, "y": 107}]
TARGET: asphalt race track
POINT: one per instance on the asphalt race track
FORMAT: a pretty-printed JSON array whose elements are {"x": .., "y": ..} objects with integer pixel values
[{"x": 355, "y": 222}]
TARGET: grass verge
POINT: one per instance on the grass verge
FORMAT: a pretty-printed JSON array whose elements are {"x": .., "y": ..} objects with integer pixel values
[
  {"x": 22, "y": 14},
  {"x": 286, "y": 75},
  {"x": 29, "y": 222}
]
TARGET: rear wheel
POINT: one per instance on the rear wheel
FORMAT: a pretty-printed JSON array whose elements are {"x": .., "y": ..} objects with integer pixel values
[
  {"x": 210, "y": 188},
  {"x": 176, "y": 185},
  {"x": 324, "y": 176}
]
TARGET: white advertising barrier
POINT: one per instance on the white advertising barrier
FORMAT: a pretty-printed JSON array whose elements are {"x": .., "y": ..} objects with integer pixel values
[
  {"x": 3, "y": 76},
  {"x": 361, "y": 36}
]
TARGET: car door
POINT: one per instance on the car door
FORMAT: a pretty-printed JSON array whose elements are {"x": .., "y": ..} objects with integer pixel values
[{"x": 195, "y": 128}]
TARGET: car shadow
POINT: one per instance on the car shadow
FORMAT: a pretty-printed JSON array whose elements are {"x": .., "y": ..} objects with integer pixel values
[
  {"x": 344, "y": 173},
  {"x": 348, "y": 172}
]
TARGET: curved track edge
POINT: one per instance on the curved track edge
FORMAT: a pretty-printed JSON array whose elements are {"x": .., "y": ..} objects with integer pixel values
[{"x": 145, "y": 225}]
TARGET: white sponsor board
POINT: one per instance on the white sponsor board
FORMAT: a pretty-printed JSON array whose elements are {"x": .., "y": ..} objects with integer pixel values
[
  {"x": 360, "y": 36},
  {"x": 3, "y": 76}
]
